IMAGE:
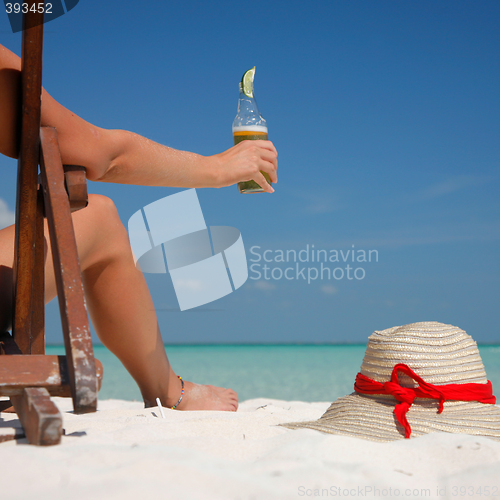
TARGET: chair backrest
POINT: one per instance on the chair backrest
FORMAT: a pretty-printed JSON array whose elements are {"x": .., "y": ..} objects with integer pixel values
[
  {"x": 47, "y": 195},
  {"x": 28, "y": 325},
  {"x": 28, "y": 376}
]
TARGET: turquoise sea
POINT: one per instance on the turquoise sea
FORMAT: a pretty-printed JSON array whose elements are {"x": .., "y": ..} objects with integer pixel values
[{"x": 289, "y": 372}]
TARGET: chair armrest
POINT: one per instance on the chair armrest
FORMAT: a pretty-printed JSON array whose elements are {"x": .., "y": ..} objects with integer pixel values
[{"x": 75, "y": 181}]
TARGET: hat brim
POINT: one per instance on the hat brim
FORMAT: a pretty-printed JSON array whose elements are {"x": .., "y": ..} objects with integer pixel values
[{"x": 371, "y": 417}]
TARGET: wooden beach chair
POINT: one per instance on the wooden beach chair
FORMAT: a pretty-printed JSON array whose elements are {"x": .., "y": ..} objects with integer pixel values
[{"x": 27, "y": 375}]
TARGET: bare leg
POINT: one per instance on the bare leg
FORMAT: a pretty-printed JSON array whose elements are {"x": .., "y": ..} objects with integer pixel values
[{"x": 121, "y": 308}]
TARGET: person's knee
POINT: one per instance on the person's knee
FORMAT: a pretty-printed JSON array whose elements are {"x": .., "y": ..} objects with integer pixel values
[
  {"x": 101, "y": 212},
  {"x": 105, "y": 214},
  {"x": 101, "y": 207},
  {"x": 102, "y": 225}
]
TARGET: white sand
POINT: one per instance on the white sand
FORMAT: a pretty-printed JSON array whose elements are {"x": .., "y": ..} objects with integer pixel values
[{"x": 124, "y": 451}]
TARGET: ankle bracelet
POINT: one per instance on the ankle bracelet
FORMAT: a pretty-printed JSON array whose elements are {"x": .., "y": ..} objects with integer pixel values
[{"x": 182, "y": 393}]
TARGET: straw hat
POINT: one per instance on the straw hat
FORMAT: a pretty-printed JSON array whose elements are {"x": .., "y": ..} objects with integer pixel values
[{"x": 443, "y": 358}]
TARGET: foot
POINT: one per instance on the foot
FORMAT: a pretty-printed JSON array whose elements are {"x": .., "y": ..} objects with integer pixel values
[{"x": 208, "y": 397}]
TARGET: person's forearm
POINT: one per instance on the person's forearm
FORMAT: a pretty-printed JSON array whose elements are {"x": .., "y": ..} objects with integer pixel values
[
  {"x": 144, "y": 162},
  {"x": 133, "y": 159}
]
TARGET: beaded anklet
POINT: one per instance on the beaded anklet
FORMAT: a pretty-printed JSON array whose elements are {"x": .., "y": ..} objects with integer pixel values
[{"x": 182, "y": 393}]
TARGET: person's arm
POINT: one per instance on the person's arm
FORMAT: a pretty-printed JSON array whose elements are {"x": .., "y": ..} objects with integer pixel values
[
  {"x": 137, "y": 160},
  {"x": 128, "y": 158}
]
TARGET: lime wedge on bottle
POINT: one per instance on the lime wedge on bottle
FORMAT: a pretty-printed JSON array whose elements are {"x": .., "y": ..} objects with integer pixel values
[{"x": 247, "y": 82}]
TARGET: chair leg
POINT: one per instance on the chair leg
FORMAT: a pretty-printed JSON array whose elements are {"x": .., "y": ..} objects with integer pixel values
[{"x": 39, "y": 416}]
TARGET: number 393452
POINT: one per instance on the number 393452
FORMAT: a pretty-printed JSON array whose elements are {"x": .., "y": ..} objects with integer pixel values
[{"x": 16, "y": 8}]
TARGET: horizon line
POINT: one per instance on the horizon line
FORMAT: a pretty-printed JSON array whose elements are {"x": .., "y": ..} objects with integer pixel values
[{"x": 264, "y": 344}]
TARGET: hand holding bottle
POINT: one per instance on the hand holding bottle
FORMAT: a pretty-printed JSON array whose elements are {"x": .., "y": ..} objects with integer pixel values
[
  {"x": 248, "y": 161},
  {"x": 249, "y": 125}
]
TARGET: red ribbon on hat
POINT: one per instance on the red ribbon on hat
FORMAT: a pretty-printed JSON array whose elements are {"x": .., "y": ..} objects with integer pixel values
[{"x": 483, "y": 393}]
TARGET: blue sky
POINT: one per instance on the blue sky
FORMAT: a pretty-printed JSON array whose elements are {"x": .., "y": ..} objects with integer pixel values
[{"x": 385, "y": 116}]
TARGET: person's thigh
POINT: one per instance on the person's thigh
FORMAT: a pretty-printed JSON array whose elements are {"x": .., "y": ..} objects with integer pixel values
[{"x": 100, "y": 236}]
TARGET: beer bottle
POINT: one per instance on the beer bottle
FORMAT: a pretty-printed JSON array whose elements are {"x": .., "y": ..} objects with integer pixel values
[{"x": 249, "y": 125}]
